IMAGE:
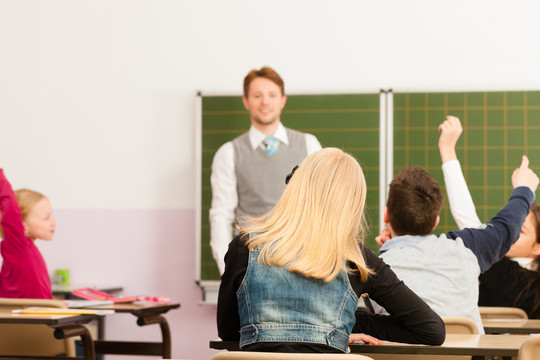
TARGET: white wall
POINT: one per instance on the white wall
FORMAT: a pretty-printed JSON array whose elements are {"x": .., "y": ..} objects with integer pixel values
[{"x": 97, "y": 108}]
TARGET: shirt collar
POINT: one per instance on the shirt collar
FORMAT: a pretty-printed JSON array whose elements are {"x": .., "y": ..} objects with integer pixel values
[
  {"x": 401, "y": 241},
  {"x": 256, "y": 137}
]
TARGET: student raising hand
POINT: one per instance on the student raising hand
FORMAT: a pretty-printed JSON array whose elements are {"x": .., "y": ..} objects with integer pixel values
[{"x": 26, "y": 215}]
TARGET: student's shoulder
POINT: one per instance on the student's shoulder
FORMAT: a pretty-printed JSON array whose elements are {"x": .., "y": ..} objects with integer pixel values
[{"x": 239, "y": 243}]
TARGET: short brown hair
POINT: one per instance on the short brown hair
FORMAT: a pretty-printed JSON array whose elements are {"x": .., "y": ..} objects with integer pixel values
[
  {"x": 267, "y": 73},
  {"x": 414, "y": 202}
]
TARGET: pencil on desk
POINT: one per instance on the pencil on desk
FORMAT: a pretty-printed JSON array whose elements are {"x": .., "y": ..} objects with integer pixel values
[{"x": 60, "y": 311}]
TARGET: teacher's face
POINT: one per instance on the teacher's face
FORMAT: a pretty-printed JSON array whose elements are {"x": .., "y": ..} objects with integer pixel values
[{"x": 264, "y": 102}]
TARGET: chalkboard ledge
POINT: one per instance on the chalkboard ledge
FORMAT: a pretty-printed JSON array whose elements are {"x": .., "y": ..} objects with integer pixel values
[{"x": 210, "y": 290}]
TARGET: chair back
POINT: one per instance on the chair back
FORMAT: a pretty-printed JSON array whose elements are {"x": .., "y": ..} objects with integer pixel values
[
  {"x": 459, "y": 325},
  {"x": 497, "y": 312},
  {"x": 530, "y": 349},
  {"x": 249, "y": 355},
  {"x": 17, "y": 337}
]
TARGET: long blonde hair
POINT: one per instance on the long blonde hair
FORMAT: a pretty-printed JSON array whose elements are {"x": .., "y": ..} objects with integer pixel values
[
  {"x": 318, "y": 224},
  {"x": 26, "y": 199}
]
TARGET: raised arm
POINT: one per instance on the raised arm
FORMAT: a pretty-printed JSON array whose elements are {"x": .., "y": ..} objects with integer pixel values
[
  {"x": 491, "y": 243},
  {"x": 460, "y": 200},
  {"x": 11, "y": 219}
]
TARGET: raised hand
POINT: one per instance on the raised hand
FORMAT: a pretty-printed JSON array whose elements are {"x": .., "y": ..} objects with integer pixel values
[
  {"x": 525, "y": 176},
  {"x": 450, "y": 131}
]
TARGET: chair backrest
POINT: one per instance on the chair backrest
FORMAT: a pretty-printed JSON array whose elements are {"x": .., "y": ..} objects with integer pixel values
[
  {"x": 17, "y": 337},
  {"x": 248, "y": 355},
  {"x": 459, "y": 325},
  {"x": 530, "y": 349},
  {"x": 496, "y": 312}
]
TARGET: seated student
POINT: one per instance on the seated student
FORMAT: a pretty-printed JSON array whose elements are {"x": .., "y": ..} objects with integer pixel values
[
  {"x": 443, "y": 270},
  {"x": 506, "y": 283},
  {"x": 293, "y": 277},
  {"x": 26, "y": 215}
]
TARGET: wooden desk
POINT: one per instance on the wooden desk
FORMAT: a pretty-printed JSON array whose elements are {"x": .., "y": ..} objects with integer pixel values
[
  {"x": 63, "y": 292},
  {"x": 511, "y": 326},
  {"x": 147, "y": 314},
  {"x": 455, "y": 344},
  {"x": 65, "y": 326}
]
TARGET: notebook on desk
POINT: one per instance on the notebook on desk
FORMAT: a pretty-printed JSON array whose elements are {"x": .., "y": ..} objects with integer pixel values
[{"x": 92, "y": 294}]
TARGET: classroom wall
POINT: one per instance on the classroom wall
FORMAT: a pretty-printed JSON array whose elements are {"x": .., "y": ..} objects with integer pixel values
[{"x": 97, "y": 110}]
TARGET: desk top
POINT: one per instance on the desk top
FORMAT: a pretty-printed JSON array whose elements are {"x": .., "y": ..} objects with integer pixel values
[
  {"x": 138, "y": 308},
  {"x": 7, "y": 317},
  {"x": 455, "y": 344},
  {"x": 512, "y": 326}
]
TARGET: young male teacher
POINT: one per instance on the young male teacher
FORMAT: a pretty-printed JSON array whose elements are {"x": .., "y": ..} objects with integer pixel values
[{"x": 248, "y": 173}]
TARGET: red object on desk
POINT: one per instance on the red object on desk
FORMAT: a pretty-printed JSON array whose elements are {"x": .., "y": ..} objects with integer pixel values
[
  {"x": 155, "y": 299},
  {"x": 91, "y": 294}
]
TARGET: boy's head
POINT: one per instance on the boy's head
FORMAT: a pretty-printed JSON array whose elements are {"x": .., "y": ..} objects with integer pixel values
[{"x": 414, "y": 202}]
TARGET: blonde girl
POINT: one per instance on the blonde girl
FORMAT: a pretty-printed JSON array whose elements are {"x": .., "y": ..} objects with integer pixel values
[
  {"x": 293, "y": 277},
  {"x": 26, "y": 215}
]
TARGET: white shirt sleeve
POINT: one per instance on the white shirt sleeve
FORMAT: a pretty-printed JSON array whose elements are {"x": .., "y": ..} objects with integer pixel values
[
  {"x": 224, "y": 203},
  {"x": 312, "y": 144},
  {"x": 459, "y": 197}
]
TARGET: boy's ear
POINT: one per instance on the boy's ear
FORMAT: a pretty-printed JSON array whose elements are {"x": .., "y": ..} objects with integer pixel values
[
  {"x": 436, "y": 222},
  {"x": 386, "y": 217}
]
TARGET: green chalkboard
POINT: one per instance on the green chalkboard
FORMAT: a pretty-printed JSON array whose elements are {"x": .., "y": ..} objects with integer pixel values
[
  {"x": 499, "y": 127},
  {"x": 347, "y": 121}
]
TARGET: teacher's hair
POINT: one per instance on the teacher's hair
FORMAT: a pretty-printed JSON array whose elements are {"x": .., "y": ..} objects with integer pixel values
[
  {"x": 318, "y": 225},
  {"x": 264, "y": 72}
]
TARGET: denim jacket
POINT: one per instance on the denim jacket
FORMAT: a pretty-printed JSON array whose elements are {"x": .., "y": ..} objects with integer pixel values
[{"x": 276, "y": 305}]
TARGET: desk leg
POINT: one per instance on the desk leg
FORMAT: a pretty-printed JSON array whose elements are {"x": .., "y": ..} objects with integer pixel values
[
  {"x": 165, "y": 332},
  {"x": 78, "y": 330}
]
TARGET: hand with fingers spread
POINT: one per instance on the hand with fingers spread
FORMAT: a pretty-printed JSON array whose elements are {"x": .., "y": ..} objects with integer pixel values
[
  {"x": 450, "y": 131},
  {"x": 525, "y": 176}
]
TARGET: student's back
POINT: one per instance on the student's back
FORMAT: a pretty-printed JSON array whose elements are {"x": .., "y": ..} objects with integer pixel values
[{"x": 443, "y": 270}]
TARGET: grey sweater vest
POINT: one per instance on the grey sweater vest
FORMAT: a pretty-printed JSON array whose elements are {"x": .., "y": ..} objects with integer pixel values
[{"x": 260, "y": 178}]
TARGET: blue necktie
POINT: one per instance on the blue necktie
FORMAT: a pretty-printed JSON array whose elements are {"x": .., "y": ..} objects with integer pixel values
[{"x": 269, "y": 145}]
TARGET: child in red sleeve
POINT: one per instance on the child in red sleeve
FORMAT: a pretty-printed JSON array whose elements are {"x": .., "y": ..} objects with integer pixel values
[{"x": 26, "y": 215}]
